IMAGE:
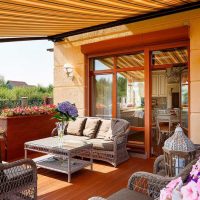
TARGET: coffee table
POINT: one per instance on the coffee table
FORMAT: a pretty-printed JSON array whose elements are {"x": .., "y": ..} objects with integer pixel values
[{"x": 66, "y": 158}]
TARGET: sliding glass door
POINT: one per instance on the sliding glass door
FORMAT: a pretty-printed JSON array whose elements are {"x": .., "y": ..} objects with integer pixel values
[
  {"x": 169, "y": 94},
  {"x": 137, "y": 87},
  {"x": 118, "y": 91}
]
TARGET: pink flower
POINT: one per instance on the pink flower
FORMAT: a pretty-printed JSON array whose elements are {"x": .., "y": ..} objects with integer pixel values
[
  {"x": 44, "y": 109},
  {"x": 195, "y": 170},
  {"x": 165, "y": 194},
  {"x": 190, "y": 191},
  {"x": 172, "y": 184}
]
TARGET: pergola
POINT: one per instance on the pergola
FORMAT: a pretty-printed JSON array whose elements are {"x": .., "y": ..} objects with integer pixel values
[{"x": 56, "y": 19}]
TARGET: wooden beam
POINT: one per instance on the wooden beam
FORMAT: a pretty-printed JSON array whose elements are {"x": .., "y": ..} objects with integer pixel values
[
  {"x": 134, "y": 41},
  {"x": 22, "y": 39}
]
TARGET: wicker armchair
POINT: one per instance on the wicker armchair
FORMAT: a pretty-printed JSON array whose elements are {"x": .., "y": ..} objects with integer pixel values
[
  {"x": 147, "y": 186},
  {"x": 18, "y": 180}
]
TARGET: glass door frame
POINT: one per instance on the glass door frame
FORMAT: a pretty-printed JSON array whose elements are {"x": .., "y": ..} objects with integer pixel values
[
  {"x": 147, "y": 49},
  {"x": 184, "y": 44},
  {"x": 114, "y": 72}
]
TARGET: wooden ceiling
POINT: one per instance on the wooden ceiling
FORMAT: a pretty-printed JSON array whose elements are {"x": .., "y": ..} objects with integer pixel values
[{"x": 42, "y": 18}]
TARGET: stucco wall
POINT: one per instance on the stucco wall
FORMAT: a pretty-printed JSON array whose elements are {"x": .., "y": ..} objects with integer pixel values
[{"x": 69, "y": 52}]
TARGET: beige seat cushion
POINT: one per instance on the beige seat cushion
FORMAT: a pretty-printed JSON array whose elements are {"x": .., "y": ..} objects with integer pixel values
[
  {"x": 91, "y": 127},
  {"x": 103, "y": 129},
  {"x": 75, "y": 138},
  {"x": 76, "y": 127},
  {"x": 101, "y": 144}
]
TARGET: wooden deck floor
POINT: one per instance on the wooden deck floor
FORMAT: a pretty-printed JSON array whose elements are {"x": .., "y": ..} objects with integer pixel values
[{"x": 103, "y": 181}]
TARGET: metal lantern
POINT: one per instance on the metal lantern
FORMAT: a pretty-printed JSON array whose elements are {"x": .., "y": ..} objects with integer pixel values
[{"x": 178, "y": 152}]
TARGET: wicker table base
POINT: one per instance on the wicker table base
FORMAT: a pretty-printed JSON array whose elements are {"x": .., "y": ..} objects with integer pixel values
[{"x": 60, "y": 158}]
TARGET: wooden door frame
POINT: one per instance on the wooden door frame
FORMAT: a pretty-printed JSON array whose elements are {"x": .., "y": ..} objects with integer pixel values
[{"x": 171, "y": 38}]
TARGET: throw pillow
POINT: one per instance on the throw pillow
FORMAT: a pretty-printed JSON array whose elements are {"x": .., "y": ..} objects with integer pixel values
[
  {"x": 103, "y": 129},
  {"x": 117, "y": 127},
  {"x": 76, "y": 127},
  {"x": 91, "y": 127}
]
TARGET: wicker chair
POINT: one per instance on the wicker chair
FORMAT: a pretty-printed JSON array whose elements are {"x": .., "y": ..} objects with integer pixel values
[
  {"x": 18, "y": 180},
  {"x": 147, "y": 186},
  {"x": 165, "y": 128}
]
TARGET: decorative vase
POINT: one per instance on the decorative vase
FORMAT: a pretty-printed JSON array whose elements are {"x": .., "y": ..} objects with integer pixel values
[{"x": 61, "y": 128}]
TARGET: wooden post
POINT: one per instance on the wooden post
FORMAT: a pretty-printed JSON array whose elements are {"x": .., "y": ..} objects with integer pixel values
[{"x": 24, "y": 101}]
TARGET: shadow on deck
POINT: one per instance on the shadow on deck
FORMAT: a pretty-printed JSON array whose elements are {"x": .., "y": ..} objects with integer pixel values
[{"x": 102, "y": 181}]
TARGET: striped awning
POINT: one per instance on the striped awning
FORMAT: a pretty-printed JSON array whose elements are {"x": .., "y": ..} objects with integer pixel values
[{"x": 42, "y": 18}]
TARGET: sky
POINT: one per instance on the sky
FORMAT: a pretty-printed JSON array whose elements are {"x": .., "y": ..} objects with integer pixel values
[{"x": 27, "y": 61}]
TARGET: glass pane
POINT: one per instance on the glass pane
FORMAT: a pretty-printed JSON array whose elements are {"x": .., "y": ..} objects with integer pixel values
[
  {"x": 184, "y": 99},
  {"x": 136, "y": 141},
  {"x": 184, "y": 117},
  {"x": 184, "y": 95},
  {"x": 102, "y": 63},
  {"x": 133, "y": 60},
  {"x": 102, "y": 96},
  {"x": 130, "y": 97},
  {"x": 170, "y": 56},
  {"x": 184, "y": 77}
]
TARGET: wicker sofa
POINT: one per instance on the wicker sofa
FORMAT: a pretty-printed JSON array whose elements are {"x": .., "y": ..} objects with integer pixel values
[
  {"x": 147, "y": 186},
  {"x": 108, "y": 136}
]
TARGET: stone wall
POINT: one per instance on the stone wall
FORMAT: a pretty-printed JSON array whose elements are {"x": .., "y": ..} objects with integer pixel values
[{"x": 66, "y": 88}]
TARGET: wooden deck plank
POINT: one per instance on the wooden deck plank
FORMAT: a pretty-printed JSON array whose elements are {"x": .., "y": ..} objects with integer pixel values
[{"x": 102, "y": 181}]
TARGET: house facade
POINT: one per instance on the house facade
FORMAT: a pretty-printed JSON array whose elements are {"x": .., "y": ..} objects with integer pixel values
[{"x": 129, "y": 70}]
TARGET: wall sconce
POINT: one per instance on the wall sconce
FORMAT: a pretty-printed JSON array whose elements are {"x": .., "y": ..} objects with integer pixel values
[{"x": 69, "y": 70}]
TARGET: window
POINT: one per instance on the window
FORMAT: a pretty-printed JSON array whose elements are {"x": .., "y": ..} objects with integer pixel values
[
  {"x": 170, "y": 56},
  {"x": 102, "y": 96},
  {"x": 128, "y": 61},
  {"x": 184, "y": 98},
  {"x": 118, "y": 87},
  {"x": 102, "y": 64},
  {"x": 130, "y": 97}
]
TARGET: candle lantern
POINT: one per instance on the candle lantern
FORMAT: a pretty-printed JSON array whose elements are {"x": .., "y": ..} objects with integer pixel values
[{"x": 178, "y": 152}]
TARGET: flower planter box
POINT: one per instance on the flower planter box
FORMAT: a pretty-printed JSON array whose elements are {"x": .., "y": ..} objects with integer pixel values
[{"x": 21, "y": 129}]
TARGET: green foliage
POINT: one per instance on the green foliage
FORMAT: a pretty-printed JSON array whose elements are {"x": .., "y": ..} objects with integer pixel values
[
  {"x": 35, "y": 95},
  {"x": 121, "y": 86},
  {"x": 2, "y": 83},
  {"x": 103, "y": 90}
]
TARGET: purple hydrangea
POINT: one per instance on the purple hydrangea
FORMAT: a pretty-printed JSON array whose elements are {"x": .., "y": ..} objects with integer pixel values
[{"x": 68, "y": 109}]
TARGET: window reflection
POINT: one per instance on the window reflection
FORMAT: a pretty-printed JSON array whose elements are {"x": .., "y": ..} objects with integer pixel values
[
  {"x": 170, "y": 56},
  {"x": 102, "y": 63},
  {"x": 184, "y": 98},
  {"x": 102, "y": 96},
  {"x": 133, "y": 60},
  {"x": 130, "y": 97}
]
